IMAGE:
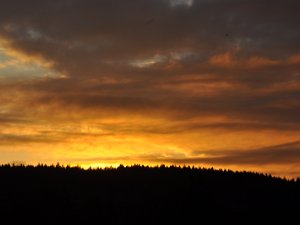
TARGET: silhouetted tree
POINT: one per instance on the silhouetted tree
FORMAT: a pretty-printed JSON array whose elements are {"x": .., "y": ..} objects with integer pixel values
[{"x": 141, "y": 195}]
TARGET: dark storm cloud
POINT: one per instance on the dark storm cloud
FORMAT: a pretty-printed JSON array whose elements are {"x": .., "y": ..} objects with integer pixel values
[
  {"x": 79, "y": 34},
  {"x": 288, "y": 153},
  {"x": 135, "y": 56}
]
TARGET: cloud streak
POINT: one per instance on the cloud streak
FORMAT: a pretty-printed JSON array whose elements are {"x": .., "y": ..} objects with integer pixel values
[{"x": 283, "y": 154}]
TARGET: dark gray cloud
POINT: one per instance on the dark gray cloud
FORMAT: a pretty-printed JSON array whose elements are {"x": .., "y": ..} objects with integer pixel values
[
  {"x": 78, "y": 34},
  {"x": 254, "y": 110}
]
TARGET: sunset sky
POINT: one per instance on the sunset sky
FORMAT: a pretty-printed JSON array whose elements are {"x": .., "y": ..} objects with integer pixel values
[{"x": 103, "y": 82}]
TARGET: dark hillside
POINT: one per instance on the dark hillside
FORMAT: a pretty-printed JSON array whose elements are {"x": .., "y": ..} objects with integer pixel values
[{"x": 142, "y": 195}]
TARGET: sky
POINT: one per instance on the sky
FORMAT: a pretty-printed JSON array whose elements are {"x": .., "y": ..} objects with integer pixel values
[{"x": 210, "y": 83}]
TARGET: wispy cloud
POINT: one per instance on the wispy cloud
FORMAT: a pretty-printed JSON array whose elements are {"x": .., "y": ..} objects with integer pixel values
[{"x": 288, "y": 153}]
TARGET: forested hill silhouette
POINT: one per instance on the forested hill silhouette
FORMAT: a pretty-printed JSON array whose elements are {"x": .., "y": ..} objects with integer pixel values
[{"x": 143, "y": 195}]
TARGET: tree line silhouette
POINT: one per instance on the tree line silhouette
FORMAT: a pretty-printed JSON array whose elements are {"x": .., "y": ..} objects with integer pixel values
[{"x": 142, "y": 195}]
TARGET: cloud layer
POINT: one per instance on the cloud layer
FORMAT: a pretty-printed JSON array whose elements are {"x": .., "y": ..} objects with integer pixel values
[{"x": 163, "y": 69}]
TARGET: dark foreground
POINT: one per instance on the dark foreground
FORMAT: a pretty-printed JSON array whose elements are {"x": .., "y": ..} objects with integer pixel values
[{"x": 142, "y": 195}]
